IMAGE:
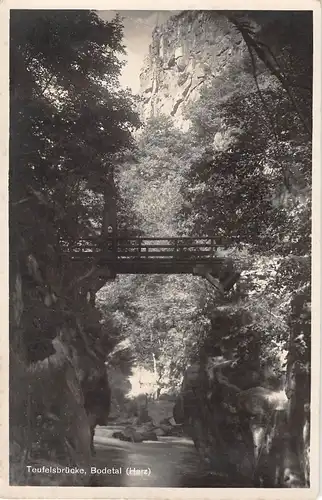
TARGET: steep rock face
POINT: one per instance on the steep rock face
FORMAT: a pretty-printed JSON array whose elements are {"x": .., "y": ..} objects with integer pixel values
[
  {"x": 186, "y": 52},
  {"x": 58, "y": 384},
  {"x": 226, "y": 423}
]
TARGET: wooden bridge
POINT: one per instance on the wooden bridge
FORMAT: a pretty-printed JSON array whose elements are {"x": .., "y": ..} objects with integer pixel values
[{"x": 143, "y": 255}]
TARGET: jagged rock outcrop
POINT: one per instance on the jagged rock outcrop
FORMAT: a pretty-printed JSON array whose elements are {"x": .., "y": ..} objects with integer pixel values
[
  {"x": 186, "y": 52},
  {"x": 59, "y": 389},
  {"x": 246, "y": 433}
]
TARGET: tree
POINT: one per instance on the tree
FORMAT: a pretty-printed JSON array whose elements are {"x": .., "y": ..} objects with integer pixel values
[
  {"x": 70, "y": 124},
  {"x": 251, "y": 185},
  {"x": 64, "y": 71},
  {"x": 153, "y": 179}
]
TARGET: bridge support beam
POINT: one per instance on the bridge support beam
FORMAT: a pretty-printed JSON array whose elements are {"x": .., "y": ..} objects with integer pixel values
[
  {"x": 205, "y": 272},
  {"x": 224, "y": 280}
]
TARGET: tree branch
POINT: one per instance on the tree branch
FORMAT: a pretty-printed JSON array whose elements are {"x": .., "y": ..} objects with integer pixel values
[{"x": 260, "y": 52}]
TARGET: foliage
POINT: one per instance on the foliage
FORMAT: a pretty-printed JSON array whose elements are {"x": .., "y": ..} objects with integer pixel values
[
  {"x": 241, "y": 172},
  {"x": 154, "y": 180},
  {"x": 251, "y": 185},
  {"x": 70, "y": 124},
  {"x": 64, "y": 71}
]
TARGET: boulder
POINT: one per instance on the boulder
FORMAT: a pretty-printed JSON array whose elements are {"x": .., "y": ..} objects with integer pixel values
[
  {"x": 148, "y": 436},
  {"x": 166, "y": 428},
  {"x": 132, "y": 435},
  {"x": 171, "y": 421},
  {"x": 159, "y": 432},
  {"x": 165, "y": 421},
  {"x": 147, "y": 432},
  {"x": 177, "y": 431},
  {"x": 117, "y": 435}
]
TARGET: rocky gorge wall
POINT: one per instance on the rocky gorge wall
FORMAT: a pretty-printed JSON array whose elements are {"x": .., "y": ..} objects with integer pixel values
[
  {"x": 188, "y": 51},
  {"x": 58, "y": 382}
]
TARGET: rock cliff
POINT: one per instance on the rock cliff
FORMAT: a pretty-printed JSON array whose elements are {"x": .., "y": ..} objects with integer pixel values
[
  {"x": 186, "y": 52},
  {"x": 59, "y": 388}
]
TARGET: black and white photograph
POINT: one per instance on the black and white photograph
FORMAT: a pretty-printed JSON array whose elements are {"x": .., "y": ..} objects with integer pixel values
[{"x": 160, "y": 249}]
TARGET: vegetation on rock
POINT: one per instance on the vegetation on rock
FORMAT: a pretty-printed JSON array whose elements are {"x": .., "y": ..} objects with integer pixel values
[
  {"x": 242, "y": 173},
  {"x": 69, "y": 121}
]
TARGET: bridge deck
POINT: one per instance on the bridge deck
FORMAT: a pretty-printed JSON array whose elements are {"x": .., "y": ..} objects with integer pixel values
[
  {"x": 164, "y": 266},
  {"x": 151, "y": 255},
  {"x": 160, "y": 256}
]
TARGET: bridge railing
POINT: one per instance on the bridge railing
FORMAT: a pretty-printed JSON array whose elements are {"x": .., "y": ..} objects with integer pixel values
[{"x": 175, "y": 248}]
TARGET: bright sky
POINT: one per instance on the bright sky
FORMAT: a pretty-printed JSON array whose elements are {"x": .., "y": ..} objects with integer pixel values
[{"x": 138, "y": 27}]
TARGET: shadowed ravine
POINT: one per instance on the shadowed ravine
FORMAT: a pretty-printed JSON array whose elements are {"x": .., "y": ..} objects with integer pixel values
[
  {"x": 160, "y": 249},
  {"x": 173, "y": 461}
]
